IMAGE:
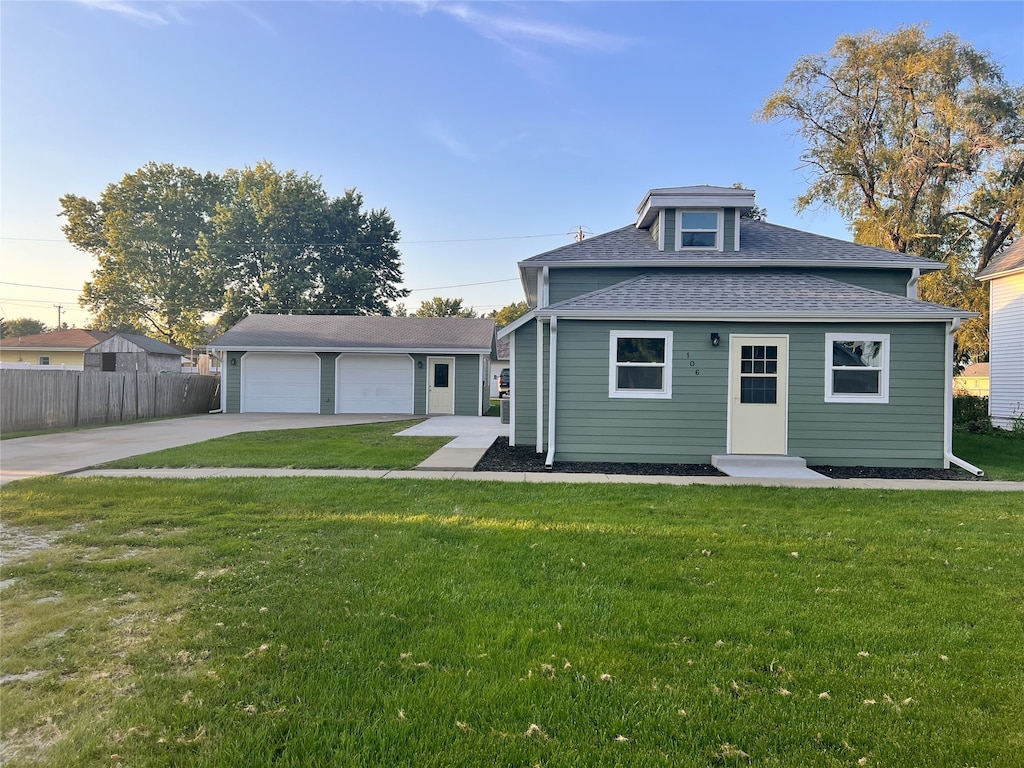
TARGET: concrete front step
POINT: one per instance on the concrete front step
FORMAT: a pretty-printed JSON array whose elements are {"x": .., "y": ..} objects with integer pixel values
[{"x": 754, "y": 465}]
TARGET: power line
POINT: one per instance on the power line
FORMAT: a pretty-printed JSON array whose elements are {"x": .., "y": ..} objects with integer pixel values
[
  {"x": 349, "y": 242},
  {"x": 463, "y": 285},
  {"x": 47, "y": 287}
]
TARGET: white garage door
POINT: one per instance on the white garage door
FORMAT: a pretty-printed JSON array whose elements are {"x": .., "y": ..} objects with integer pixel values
[
  {"x": 375, "y": 383},
  {"x": 280, "y": 382}
]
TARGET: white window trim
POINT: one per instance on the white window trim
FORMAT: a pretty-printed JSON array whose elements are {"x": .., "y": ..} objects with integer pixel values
[
  {"x": 883, "y": 378},
  {"x": 665, "y": 393},
  {"x": 44, "y": 359},
  {"x": 719, "y": 232}
]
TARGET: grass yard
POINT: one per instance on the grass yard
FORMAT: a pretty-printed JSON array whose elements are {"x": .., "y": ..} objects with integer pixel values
[
  {"x": 314, "y": 622},
  {"x": 362, "y": 446},
  {"x": 1000, "y": 454}
]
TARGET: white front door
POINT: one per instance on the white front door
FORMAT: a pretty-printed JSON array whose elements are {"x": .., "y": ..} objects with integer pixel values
[
  {"x": 758, "y": 394},
  {"x": 440, "y": 385}
]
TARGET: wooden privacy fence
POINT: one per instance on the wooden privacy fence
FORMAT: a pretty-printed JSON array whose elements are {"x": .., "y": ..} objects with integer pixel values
[{"x": 36, "y": 399}]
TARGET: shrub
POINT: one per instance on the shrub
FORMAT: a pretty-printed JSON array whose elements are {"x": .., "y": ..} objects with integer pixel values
[{"x": 970, "y": 414}]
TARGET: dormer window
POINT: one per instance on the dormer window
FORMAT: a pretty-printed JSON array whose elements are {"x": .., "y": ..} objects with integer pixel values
[{"x": 700, "y": 230}]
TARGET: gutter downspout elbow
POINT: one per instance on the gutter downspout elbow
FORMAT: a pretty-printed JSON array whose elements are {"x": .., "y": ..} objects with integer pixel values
[
  {"x": 549, "y": 460},
  {"x": 948, "y": 456}
]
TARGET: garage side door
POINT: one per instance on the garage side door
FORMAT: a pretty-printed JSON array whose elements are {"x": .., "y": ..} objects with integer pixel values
[
  {"x": 375, "y": 384},
  {"x": 280, "y": 382}
]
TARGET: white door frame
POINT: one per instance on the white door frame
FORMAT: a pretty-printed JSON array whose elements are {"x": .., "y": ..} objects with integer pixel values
[
  {"x": 451, "y": 383},
  {"x": 780, "y": 444}
]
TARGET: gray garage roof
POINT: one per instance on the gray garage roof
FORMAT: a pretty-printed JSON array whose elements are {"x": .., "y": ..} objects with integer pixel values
[
  {"x": 761, "y": 243},
  {"x": 346, "y": 332},
  {"x": 723, "y": 294}
]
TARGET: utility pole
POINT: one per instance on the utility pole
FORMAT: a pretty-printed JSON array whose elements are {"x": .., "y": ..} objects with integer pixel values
[{"x": 58, "y": 307}]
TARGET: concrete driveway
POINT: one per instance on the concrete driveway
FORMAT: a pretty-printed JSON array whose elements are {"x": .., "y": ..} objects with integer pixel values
[{"x": 63, "y": 452}]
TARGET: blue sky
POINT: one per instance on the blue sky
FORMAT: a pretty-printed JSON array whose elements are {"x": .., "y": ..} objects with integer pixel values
[{"x": 490, "y": 131}]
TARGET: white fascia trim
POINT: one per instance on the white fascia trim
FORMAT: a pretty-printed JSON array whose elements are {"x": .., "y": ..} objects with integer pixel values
[
  {"x": 704, "y": 317},
  {"x": 552, "y": 391},
  {"x": 44, "y": 350},
  {"x": 997, "y": 275},
  {"x": 367, "y": 350},
  {"x": 680, "y": 259},
  {"x": 503, "y": 332},
  {"x": 529, "y": 289},
  {"x": 661, "y": 230},
  {"x": 513, "y": 388},
  {"x": 485, "y": 384},
  {"x": 540, "y": 386}
]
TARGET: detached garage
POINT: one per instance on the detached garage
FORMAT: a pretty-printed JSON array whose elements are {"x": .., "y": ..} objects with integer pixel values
[{"x": 341, "y": 364}]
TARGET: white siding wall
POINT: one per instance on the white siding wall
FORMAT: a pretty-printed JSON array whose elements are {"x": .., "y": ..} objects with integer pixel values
[{"x": 1007, "y": 349}]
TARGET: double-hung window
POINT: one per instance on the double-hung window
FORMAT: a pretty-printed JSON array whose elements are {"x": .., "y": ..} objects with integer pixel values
[
  {"x": 700, "y": 230},
  {"x": 857, "y": 368},
  {"x": 640, "y": 364}
]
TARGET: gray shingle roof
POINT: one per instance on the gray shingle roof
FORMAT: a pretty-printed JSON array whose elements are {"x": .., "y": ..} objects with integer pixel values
[
  {"x": 760, "y": 242},
  {"x": 1010, "y": 260},
  {"x": 720, "y": 294},
  {"x": 337, "y": 332}
]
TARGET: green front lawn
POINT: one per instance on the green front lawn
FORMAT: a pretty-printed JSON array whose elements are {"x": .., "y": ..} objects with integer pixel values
[
  {"x": 999, "y": 453},
  {"x": 363, "y": 446},
  {"x": 308, "y": 622}
]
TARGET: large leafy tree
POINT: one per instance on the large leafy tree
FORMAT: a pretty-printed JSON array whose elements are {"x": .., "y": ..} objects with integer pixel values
[
  {"x": 509, "y": 313},
  {"x": 917, "y": 142},
  {"x": 144, "y": 232},
  {"x": 21, "y": 326},
  {"x": 442, "y": 307},
  {"x": 284, "y": 245}
]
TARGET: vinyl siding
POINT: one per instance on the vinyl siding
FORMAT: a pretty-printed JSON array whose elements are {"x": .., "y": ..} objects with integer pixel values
[
  {"x": 233, "y": 381},
  {"x": 729, "y": 233},
  {"x": 564, "y": 284},
  {"x": 670, "y": 230},
  {"x": 892, "y": 281},
  {"x": 691, "y": 426},
  {"x": 467, "y": 385},
  {"x": 31, "y": 356},
  {"x": 1006, "y": 349},
  {"x": 419, "y": 397},
  {"x": 328, "y": 375},
  {"x": 525, "y": 390}
]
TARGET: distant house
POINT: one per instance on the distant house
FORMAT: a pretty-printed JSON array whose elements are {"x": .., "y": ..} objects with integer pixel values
[
  {"x": 696, "y": 333},
  {"x": 131, "y": 352},
  {"x": 345, "y": 364},
  {"x": 973, "y": 381},
  {"x": 1005, "y": 276},
  {"x": 500, "y": 362},
  {"x": 56, "y": 348}
]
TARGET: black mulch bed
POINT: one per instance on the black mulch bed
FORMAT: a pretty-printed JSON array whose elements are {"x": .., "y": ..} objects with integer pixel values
[{"x": 501, "y": 457}]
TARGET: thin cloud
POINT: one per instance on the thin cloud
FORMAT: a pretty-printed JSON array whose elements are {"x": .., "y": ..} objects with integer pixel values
[
  {"x": 246, "y": 11},
  {"x": 440, "y": 133},
  {"x": 515, "y": 31},
  {"x": 127, "y": 10}
]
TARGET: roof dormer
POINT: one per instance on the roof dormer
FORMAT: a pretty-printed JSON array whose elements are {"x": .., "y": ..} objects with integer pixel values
[{"x": 701, "y": 218}]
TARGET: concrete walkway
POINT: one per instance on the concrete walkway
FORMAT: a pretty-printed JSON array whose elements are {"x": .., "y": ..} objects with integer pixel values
[
  {"x": 562, "y": 477},
  {"x": 64, "y": 452},
  {"x": 473, "y": 436},
  {"x": 73, "y": 453}
]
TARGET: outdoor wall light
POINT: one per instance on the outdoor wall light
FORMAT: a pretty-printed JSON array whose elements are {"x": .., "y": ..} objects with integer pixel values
[
  {"x": 715, "y": 339},
  {"x": 234, "y": 361},
  {"x": 419, "y": 364}
]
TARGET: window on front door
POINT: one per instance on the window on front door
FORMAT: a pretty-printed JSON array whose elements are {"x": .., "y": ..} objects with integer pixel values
[
  {"x": 759, "y": 374},
  {"x": 440, "y": 374}
]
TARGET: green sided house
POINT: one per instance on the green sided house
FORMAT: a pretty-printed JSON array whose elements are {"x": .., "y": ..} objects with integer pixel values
[
  {"x": 697, "y": 333},
  {"x": 345, "y": 364}
]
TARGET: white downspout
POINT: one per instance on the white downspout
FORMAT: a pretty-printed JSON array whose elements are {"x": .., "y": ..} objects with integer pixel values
[
  {"x": 553, "y": 346},
  {"x": 545, "y": 297},
  {"x": 949, "y": 458},
  {"x": 483, "y": 377},
  {"x": 540, "y": 386},
  {"x": 513, "y": 387},
  {"x": 912, "y": 283}
]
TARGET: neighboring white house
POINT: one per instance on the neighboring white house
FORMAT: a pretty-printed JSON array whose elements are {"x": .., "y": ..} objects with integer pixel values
[{"x": 1005, "y": 276}]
